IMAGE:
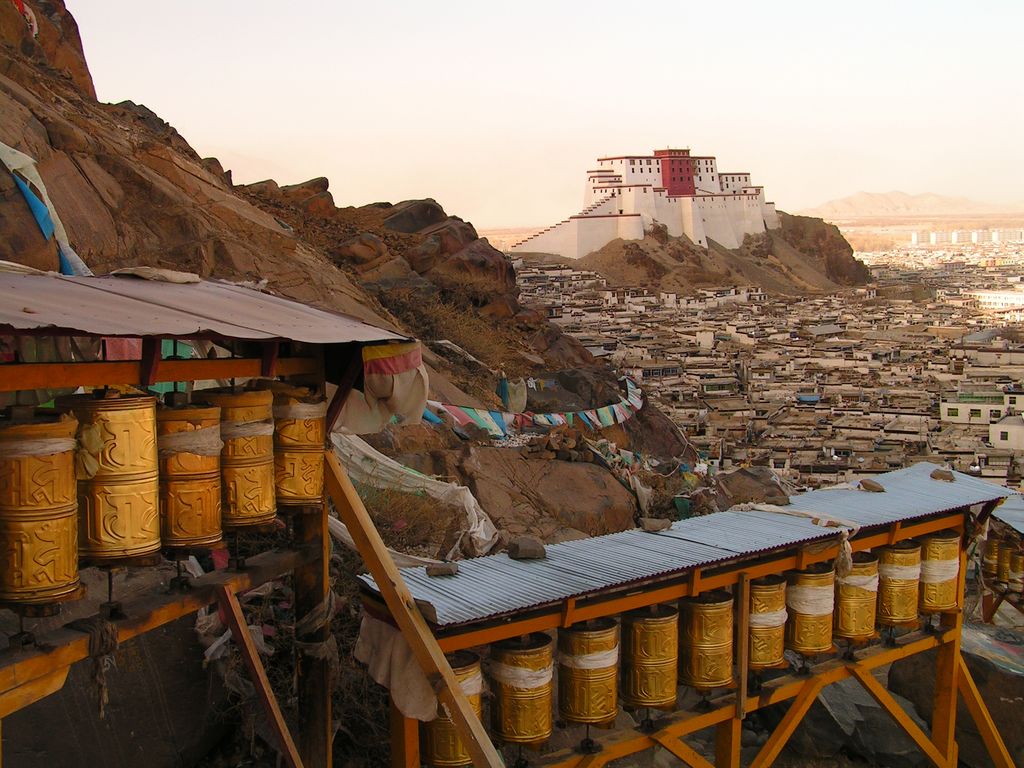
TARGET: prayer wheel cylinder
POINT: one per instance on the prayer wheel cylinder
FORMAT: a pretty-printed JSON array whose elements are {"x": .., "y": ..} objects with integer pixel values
[
  {"x": 810, "y": 598},
  {"x": 705, "y": 639},
  {"x": 1004, "y": 562},
  {"x": 1016, "y": 583},
  {"x": 38, "y": 509},
  {"x": 444, "y": 745},
  {"x": 299, "y": 431},
  {"x": 650, "y": 657},
  {"x": 247, "y": 460},
  {"x": 588, "y": 666},
  {"x": 767, "y": 622},
  {"x": 521, "y": 677},
  {"x": 118, "y": 476},
  {"x": 899, "y": 576},
  {"x": 990, "y": 559},
  {"x": 857, "y": 599},
  {"x": 189, "y": 446},
  {"x": 940, "y": 570}
]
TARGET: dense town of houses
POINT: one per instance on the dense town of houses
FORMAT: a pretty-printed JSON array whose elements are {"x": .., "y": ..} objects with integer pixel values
[{"x": 917, "y": 365}]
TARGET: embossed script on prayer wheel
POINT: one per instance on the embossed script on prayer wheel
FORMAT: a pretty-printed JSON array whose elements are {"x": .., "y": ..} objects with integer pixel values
[
  {"x": 650, "y": 657},
  {"x": 588, "y": 666},
  {"x": 810, "y": 598},
  {"x": 247, "y": 460},
  {"x": 857, "y": 598},
  {"x": 189, "y": 445},
  {"x": 444, "y": 745},
  {"x": 767, "y": 622},
  {"x": 1016, "y": 583},
  {"x": 118, "y": 487},
  {"x": 990, "y": 560},
  {"x": 705, "y": 640},
  {"x": 940, "y": 569},
  {"x": 38, "y": 509},
  {"x": 299, "y": 447},
  {"x": 899, "y": 573},
  {"x": 521, "y": 671},
  {"x": 1005, "y": 558}
]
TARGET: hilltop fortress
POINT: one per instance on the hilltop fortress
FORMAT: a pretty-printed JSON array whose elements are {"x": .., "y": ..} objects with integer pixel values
[{"x": 626, "y": 195}]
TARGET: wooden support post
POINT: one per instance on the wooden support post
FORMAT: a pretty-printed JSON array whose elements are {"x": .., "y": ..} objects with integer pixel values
[
  {"x": 982, "y": 718},
  {"x": 743, "y": 638},
  {"x": 407, "y": 615},
  {"x": 268, "y": 362},
  {"x": 312, "y": 671},
  {"x": 683, "y": 751},
  {"x": 946, "y": 669},
  {"x": 903, "y": 720},
  {"x": 240, "y": 634},
  {"x": 151, "y": 350},
  {"x": 405, "y": 739},
  {"x": 728, "y": 737},
  {"x": 771, "y": 749}
]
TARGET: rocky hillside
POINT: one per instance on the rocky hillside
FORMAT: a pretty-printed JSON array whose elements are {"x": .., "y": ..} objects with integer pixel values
[
  {"x": 900, "y": 204},
  {"x": 804, "y": 256}
]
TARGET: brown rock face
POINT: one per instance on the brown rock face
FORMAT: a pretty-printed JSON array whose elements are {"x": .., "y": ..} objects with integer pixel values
[
  {"x": 826, "y": 244},
  {"x": 542, "y": 498},
  {"x": 58, "y": 45}
]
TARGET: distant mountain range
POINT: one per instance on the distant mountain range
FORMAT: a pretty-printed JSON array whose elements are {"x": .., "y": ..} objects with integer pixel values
[{"x": 880, "y": 204}]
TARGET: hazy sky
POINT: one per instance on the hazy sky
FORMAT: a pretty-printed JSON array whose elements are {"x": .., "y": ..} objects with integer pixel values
[{"x": 497, "y": 109}]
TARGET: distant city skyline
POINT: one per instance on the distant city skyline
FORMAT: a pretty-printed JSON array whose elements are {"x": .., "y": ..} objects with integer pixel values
[{"x": 493, "y": 110}]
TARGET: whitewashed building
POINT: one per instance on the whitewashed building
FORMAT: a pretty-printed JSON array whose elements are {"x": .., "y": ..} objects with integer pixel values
[{"x": 625, "y": 195}]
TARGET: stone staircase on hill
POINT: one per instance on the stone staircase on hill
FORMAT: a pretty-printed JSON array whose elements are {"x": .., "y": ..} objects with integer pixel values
[{"x": 585, "y": 212}]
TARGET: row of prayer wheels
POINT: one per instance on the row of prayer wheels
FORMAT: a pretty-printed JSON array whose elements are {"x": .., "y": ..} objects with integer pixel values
[
  {"x": 641, "y": 660},
  {"x": 1003, "y": 563},
  {"x": 110, "y": 479}
]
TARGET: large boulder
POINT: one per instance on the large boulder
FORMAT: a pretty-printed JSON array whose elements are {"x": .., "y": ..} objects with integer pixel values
[
  {"x": 414, "y": 215},
  {"x": 58, "y": 44},
  {"x": 995, "y": 658},
  {"x": 545, "y": 497},
  {"x": 845, "y": 718}
]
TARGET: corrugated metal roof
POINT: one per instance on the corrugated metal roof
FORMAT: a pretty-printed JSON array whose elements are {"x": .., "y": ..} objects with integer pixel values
[
  {"x": 1011, "y": 512},
  {"x": 131, "y": 306},
  {"x": 486, "y": 587}
]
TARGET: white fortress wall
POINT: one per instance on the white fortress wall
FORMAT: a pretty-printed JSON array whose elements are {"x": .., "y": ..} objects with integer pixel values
[{"x": 596, "y": 232}]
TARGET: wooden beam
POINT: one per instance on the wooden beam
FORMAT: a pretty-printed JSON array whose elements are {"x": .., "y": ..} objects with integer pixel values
[
  {"x": 353, "y": 368},
  {"x": 994, "y": 743},
  {"x": 728, "y": 737},
  {"x": 151, "y": 351},
  {"x": 407, "y": 615},
  {"x": 903, "y": 720},
  {"x": 31, "y": 674},
  {"x": 946, "y": 672},
  {"x": 771, "y": 749},
  {"x": 19, "y": 376},
  {"x": 313, "y": 673},
  {"x": 743, "y": 639},
  {"x": 232, "y": 612},
  {"x": 405, "y": 739},
  {"x": 683, "y": 751}
]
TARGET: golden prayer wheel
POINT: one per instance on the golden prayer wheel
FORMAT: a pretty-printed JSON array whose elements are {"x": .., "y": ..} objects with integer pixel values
[
  {"x": 247, "y": 460},
  {"x": 767, "y": 622},
  {"x": 38, "y": 509},
  {"x": 588, "y": 666},
  {"x": 705, "y": 639},
  {"x": 650, "y": 657},
  {"x": 1017, "y": 572},
  {"x": 1004, "y": 562},
  {"x": 899, "y": 574},
  {"x": 118, "y": 478},
  {"x": 857, "y": 599},
  {"x": 444, "y": 746},
  {"x": 940, "y": 570},
  {"x": 299, "y": 427},
  {"x": 189, "y": 445},
  {"x": 521, "y": 675},
  {"x": 810, "y": 598},
  {"x": 990, "y": 559}
]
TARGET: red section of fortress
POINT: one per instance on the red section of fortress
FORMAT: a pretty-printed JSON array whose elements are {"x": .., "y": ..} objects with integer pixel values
[{"x": 676, "y": 171}]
